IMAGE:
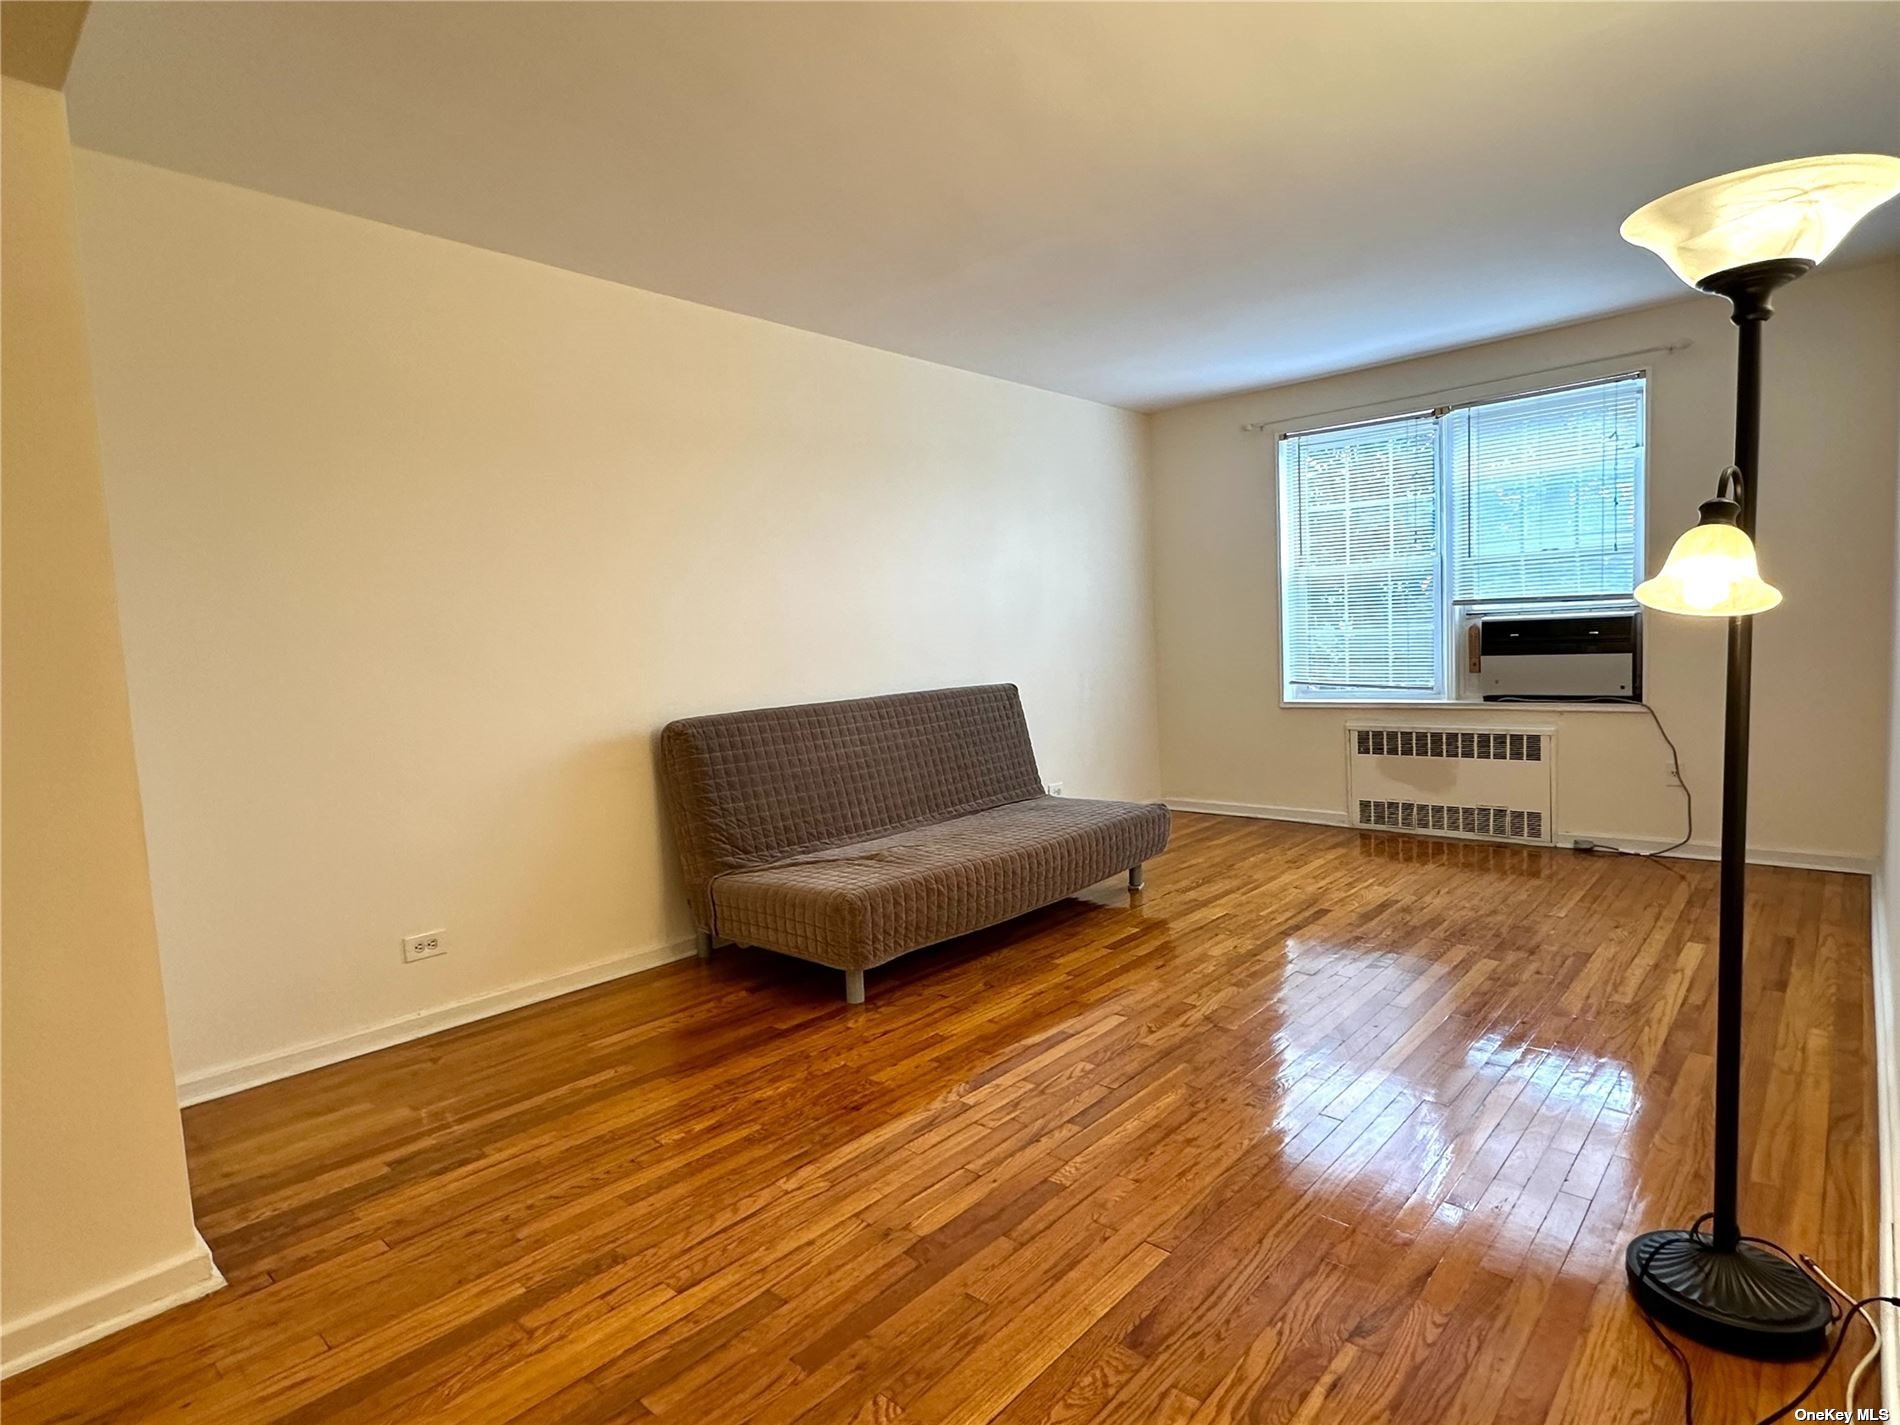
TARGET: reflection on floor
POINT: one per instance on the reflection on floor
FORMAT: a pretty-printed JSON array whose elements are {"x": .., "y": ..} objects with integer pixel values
[{"x": 1322, "y": 1127}]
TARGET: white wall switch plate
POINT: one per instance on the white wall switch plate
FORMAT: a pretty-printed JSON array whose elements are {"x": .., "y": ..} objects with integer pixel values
[{"x": 425, "y": 946}]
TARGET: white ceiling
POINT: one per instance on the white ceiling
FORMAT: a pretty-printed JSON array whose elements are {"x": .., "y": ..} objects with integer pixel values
[{"x": 1138, "y": 203}]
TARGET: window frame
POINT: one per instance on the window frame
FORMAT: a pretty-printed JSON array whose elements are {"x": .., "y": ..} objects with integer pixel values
[{"x": 1450, "y": 610}]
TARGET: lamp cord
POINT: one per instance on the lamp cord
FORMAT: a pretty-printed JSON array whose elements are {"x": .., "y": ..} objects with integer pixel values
[
  {"x": 1854, "y": 1309},
  {"x": 1688, "y": 797},
  {"x": 1675, "y": 765},
  {"x": 1655, "y": 1327},
  {"x": 1866, "y": 1362}
]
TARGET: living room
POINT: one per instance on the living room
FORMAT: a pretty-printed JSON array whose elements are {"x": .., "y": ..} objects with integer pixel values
[{"x": 933, "y": 712}]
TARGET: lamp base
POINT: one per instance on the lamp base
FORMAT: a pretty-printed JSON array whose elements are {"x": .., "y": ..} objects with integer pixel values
[{"x": 1747, "y": 1302}]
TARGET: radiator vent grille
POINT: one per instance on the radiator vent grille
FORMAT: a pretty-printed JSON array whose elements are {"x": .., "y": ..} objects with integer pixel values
[
  {"x": 1511, "y": 822},
  {"x": 1493, "y": 783},
  {"x": 1468, "y": 746}
]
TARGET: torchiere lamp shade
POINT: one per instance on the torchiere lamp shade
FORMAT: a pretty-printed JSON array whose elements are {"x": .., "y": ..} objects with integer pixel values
[{"x": 1795, "y": 211}]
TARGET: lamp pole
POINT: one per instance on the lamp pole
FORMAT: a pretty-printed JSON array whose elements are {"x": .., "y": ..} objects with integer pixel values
[
  {"x": 1749, "y": 309},
  {"x": 1716, "y": 1287},
  {"x": 1750, "y": 292}
]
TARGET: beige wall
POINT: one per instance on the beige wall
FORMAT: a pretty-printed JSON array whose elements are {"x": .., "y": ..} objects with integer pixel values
[
  {"x": 1826, "y": 526},
  {"x": 419, "y": 545},
  {"x": 97, "y": 1220}
]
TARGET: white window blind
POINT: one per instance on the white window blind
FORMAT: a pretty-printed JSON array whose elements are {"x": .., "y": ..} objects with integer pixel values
[
  {"x": 1544, "y": 493},
  {"x": 1360, "y": 592},
  {"x": 1388, "y": 527}
]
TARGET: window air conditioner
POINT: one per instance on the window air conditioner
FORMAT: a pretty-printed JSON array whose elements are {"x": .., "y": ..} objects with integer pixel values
[{"x": 1571, "y": 657}]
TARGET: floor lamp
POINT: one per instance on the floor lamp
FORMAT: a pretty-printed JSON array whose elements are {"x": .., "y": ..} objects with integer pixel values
[{"x": 1741, "y": 236}]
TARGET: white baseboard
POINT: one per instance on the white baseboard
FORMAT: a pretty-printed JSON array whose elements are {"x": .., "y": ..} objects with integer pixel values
[
  {"x": 1887, "y": 1079},
  {"x": 67, "y": 1325},
  {"x": 1695, "y": 850},
  {"x": 1757, "y": 855},
  {"x": 1318, "y": 818},
  {"x": 229, "y": 1078}
]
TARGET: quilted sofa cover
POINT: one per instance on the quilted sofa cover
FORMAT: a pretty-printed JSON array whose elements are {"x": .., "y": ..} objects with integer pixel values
[{"x": 851, "y": 832}]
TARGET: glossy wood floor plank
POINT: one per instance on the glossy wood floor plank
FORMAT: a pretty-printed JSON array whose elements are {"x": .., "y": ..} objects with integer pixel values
[{"x": 1320, "y": 1127}]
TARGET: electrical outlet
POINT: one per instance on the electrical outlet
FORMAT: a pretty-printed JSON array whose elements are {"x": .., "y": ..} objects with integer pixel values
[
  {"x": 425, "y": 946},
  {"x": 1054, "y": 789}
]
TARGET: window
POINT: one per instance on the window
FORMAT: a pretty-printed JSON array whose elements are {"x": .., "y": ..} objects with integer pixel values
[{"x": 1392, "y": 530}]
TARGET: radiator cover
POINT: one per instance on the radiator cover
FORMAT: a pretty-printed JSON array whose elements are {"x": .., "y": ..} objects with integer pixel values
[{"x": 1485, "y": 783}]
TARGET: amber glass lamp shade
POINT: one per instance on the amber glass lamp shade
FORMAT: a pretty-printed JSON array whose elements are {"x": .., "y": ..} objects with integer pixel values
[{"x": 1711, "y": 571}]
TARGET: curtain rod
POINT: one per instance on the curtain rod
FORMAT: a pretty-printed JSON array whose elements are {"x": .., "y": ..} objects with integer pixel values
[{"x": 1278, "y": 422}]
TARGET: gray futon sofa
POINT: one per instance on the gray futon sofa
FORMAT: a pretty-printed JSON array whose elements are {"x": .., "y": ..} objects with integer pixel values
[{"x": 851, "y": 832}]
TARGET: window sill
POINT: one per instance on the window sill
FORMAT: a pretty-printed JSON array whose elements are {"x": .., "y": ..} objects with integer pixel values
[{"x": 1440, "y": 705}]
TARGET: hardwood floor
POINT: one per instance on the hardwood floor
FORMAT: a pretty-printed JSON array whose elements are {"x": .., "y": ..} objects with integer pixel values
[{"x": 1324, "y": 1127}]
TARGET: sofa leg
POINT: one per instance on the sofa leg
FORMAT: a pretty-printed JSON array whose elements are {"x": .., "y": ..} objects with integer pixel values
[
  {"x": 854, "y": 987},
  {"x": 706, "y": 943},
  {"x": 1134, "y": 877}
]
